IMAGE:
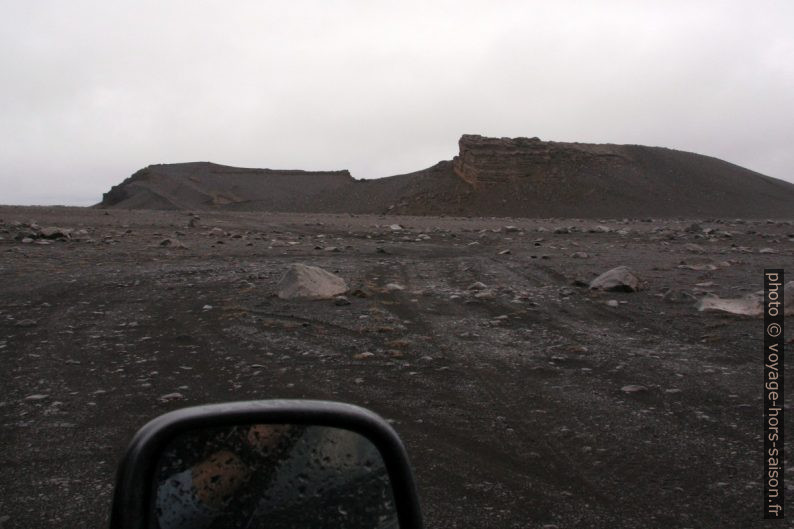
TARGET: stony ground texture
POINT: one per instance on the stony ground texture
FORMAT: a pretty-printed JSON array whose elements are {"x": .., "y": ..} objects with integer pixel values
[{"x": 525, "y": 399}]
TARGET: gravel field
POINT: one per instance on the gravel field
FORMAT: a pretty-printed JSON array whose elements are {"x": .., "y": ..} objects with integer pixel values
[{"x": 524, "y": 398}]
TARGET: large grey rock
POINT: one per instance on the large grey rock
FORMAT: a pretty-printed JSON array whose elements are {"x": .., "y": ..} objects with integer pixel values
[
  {"x": 619, "y": 279},
  {"x": 310, "y": 282}
]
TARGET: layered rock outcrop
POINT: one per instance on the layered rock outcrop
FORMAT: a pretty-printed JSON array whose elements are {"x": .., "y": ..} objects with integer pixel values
[{"x": 484, "y": 160}]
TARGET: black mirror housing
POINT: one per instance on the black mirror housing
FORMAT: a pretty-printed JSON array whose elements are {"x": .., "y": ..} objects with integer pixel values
[{"x": 136, "y": 477}]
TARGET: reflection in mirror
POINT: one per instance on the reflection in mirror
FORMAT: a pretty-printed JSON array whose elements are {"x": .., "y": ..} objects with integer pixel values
[{"x": 272, "y": 476}]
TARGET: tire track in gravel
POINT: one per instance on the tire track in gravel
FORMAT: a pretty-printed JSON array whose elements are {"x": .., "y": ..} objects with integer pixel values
[{"x": 485, "y": 391}]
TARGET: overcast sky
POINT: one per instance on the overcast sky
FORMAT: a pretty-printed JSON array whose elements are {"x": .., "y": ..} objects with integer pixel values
[{"x": 94, "y": 90}]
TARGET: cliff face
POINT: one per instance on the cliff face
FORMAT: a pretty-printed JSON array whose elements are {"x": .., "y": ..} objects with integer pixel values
[{"x": 484, "y": 160}]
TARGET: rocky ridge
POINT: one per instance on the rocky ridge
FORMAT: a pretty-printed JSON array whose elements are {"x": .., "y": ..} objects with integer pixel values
[{"x": 503, "y": 177}]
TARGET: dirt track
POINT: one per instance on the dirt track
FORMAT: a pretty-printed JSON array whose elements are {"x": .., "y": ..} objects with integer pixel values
[{"x": 509, "y": 402}]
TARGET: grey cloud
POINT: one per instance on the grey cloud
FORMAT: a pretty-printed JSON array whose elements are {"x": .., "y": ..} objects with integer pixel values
[{"x": 100, "y": 89}]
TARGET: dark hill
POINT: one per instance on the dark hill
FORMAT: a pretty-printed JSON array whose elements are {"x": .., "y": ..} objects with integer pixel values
[
  {"x": 205, "y": 185},
  {"x": 489, "y": 177}
]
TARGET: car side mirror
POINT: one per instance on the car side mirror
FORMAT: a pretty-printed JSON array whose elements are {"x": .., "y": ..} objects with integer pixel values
[{"x": 274, "y": 463}]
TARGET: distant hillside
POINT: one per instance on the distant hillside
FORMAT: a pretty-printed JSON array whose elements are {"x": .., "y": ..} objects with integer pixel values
[
  {"x": 205, "y": 185},
  {"x": 489, "y": 177}
]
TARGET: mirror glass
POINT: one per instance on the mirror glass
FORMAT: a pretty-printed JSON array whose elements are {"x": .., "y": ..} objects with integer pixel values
[{"x": 272, "y": 476}]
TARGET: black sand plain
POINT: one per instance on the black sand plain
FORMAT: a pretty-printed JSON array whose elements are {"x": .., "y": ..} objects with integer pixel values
[{"x": 515, "y": 400}]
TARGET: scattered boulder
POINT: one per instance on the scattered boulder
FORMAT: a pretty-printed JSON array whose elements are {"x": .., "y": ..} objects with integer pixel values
[
  {"x": 302, "y": 281},
  {"x": 25, "y": 234},
  {"x": 619, "y": 279},
  {"x": 478, "y": 286},
  {"x": 694, "y": 248},
  {"x": 394, "y": 287},
  {"x": 702, "y": 267},
  {"x": 485, "y": 294},
  {"x": 633, "y": 388},
  {"x": 53, "y": 232},
  {"x": 341, "y": 301},
  {"x": 676, "y": 295},
  {"x": 749, "y": 305},
  {"x": 170, "y": 397},
  {"x": 172, "y": 243},
  {"x": 580, "y": 255}
]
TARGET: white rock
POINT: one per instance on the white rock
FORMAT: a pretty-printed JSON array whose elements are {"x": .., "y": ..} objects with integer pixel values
[
  {"x": 633, "y": 388},
  {"x": 171, "y": 397},
  {"x": 310, "y": 282},
  {"x": 749, "y": 305},
  {"x": 619, "y": 279},
  {"x": 706, "y": 267}
]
